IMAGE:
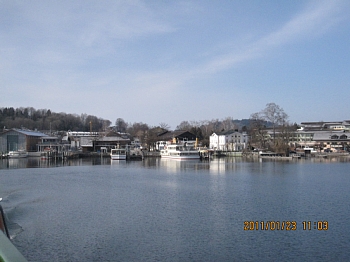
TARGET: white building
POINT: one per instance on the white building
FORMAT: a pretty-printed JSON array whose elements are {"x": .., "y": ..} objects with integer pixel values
[{"x": 228, "y": 141}]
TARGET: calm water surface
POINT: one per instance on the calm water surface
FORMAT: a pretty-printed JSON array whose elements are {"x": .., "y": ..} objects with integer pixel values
[{"x": 166, "y": 210}]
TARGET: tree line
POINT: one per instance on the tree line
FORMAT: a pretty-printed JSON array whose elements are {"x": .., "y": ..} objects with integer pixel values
[
  {"x": 44, "y": 119},
  {"x": 201, "y": 129},
  {"x": 272, "y": 116}
]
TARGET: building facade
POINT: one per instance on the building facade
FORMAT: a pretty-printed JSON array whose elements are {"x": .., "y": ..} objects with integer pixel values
[
  {"x": 323, "y": 136},
  {"x": 231, "y": 140},
  {"x": 175, "y": 137},
  {"x": 19, "y": 139}
]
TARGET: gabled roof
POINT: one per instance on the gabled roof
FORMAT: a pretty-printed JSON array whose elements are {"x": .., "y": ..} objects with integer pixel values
[
  {"x": 180, "y": 134},
  {"x": 27, "y": 132},
  {"x": 331, "y": 135},
  {"x": 116, "y": 134},
  {"x": 225, "y": 133}
]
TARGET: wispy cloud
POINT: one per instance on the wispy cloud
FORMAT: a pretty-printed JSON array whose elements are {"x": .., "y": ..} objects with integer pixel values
[
  {"x": 314, "y": 20},
  {"x": 121, "y": 20},
  {"x": 78, "y": 29}
]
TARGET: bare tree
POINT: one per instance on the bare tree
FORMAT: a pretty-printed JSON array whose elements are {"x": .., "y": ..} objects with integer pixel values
[
  {"x": 164, "y": 126},
  {"x": 228, "y": 124},
  {"x": 184, "y": 125},
  {"x": 216, "y": 125},
  {"x": 121, "y": 125},
  {"x": 286, "y": 132},
  {"x": 139, "y": 130},
  {"x": 275, "y": 115},
  {"x": 257, "y": 130}
]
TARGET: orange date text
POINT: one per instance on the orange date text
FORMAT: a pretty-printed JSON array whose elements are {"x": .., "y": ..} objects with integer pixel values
[{"x": 270, "y": 225}]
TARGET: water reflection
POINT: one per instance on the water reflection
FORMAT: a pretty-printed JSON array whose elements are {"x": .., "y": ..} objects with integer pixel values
[
  {"x": 37, "y": 162},
  {"x": 173, "y": 165},
  {"x": 215, "y": 166}
]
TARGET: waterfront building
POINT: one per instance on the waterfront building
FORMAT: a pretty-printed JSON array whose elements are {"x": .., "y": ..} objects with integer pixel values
[
  {"x": 175, "y": 137},
  {"x": 323, "y": 136},
  {"x": 302, "y": 138},
  {"x": 95, "y": 141},
  {"x": 326, "y": 126},
  {"x": 20, "y": 139},
  {"x": 108, "y": 142},
  {"x": 52, "y": 143},
  {"x": 231, "y": 140},
  {"x": 332, "y": 141}
]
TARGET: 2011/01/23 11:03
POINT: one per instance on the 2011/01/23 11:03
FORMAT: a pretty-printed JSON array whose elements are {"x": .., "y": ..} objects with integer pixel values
[
  {"x": 319, "y": 225},
  {"x": 284, "y": 225}
]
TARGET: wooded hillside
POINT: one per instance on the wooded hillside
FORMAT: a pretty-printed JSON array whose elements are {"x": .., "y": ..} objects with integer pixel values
[{"x": 44, "y": 119}]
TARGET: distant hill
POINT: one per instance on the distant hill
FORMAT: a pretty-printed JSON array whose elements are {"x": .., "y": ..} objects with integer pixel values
[{"x": 44, "y": 119}]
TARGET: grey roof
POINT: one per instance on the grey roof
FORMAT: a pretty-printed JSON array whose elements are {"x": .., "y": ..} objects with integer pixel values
[
  {"x": 229, "y": 132},
  {"x": 325, "y": 136},
  {"x": 321, "y": 123},
  {"x": 112, "y": 138},
  {"x": 29, "y": 132},
  {"x": 177, "y": 134}
]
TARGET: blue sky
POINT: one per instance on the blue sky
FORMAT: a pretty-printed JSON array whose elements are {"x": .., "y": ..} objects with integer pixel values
[{"x": 170, "y": 61}]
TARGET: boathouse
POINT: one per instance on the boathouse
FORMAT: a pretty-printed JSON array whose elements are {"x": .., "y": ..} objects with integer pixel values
[
  {"x": 109, "y": 142},
  {"x": 20, "y": 139},
  {"x": 51, "y": 143}
]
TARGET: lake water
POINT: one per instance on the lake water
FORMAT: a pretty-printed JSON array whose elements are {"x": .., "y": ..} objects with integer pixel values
[{"x": 166, "y": 210}]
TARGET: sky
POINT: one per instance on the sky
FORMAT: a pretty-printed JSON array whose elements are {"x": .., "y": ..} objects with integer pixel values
[{"x": 172, "y": 61}]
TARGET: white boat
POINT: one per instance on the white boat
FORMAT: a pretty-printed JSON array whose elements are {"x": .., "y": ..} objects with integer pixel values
[
  {"x": 308, "y": 149},
  {"x": 17, "y": 154},
  {"x": 118, "y": 154},
  {"x": 177, "y": 151}
]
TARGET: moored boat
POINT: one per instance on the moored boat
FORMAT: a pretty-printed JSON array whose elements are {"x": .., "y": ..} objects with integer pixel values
[
  {"x": 178, "y": 151},
  {"x": 118, "y": 154},
  {"x": 18, "y": 154}
]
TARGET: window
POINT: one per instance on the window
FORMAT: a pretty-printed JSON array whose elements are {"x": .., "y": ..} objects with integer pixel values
[{"x": 12, "y": 142}]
